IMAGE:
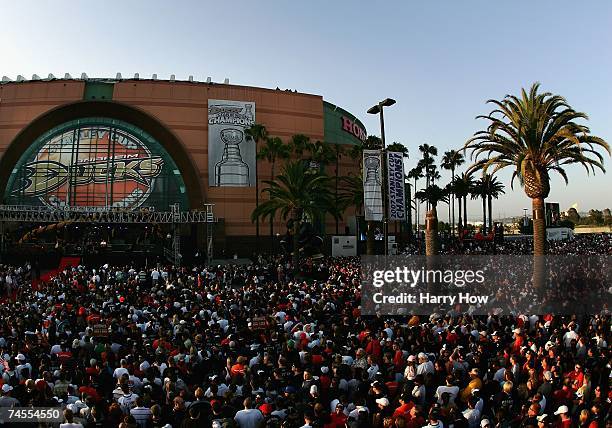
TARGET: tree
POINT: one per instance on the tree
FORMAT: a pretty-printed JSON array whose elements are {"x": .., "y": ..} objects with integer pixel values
[
  {"x": 414, "y": 174},
  {"x": 596, "y": 217},
  {"x": 478, "y": 191},
  {"x": 607, "y": 216},
  {"x": 463, "y": 188},
  {"x": 273, "y": 149},
  {"x": 428, "y": 153},
  {"x": 535, "y": 134},
  {"x": 451, "y": 160},
  {"x": 494, "y": 190},
  {"x": 398, "y": 147},
  {"x": 298, "y": 194},
  {"x": 573, "y": 216},
  {"x": 432, "y": 195},
  {"x": 300, "y": 145},
  {"x": 338, "y": 152},
  {"x": 256, "y": 133}
]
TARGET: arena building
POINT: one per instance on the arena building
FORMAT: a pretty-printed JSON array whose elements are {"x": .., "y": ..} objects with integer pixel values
[{"x": 134, "y": 144}]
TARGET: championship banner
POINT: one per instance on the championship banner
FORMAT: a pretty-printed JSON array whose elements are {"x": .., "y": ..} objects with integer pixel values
[
  {"x": 372, "y": 185},
  {"x": 231, "y": 158},
  {"x": 397, "y": 197}
]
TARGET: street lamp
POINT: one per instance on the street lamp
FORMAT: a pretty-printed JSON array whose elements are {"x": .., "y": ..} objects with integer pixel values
[{"x": 378, "y": 109}]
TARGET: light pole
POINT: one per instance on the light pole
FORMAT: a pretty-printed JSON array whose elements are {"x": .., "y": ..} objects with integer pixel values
[{"x": 378, "y": 109}]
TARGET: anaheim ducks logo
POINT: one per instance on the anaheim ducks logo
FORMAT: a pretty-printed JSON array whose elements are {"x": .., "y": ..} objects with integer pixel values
[{"x": 101, "y": 167}]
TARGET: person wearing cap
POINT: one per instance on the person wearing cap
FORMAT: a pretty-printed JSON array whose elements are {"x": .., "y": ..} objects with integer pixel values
[
  {"x": 425, "y": 365},
  {"x": 7, "y": 400},
  {"x": 564, "y": 419},
  {"x": 544, "y": 421}
]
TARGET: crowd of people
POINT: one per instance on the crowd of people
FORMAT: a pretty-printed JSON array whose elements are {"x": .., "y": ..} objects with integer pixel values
[{"x": 259, "y": 346}]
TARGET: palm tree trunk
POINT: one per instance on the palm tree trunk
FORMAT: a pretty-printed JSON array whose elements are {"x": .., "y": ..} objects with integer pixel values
[
  {"x": 452, "y": 201},
  {"x": 539, "y": 244},
  {"x": 431, "y": 232},
  {"x": 460, "y": 220},
  {"x": 416, "y": 209},
  {"x": 490, "y": 202},
  {"x": 272, "y": 216},
  {"x": 465, "y": 215},
  {"x": 539, "y": 227},
  {"x": 409, "y": 210},
  {"x": 484, "y": 215},
  {"x": 297, "y": 223},
  {"x": 256, "y": 198}
]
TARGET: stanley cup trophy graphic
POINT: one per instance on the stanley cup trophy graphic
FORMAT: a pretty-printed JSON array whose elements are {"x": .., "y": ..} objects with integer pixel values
[
  {"x": 231, "y": 170},
  {"x": 372, "y": 189}
]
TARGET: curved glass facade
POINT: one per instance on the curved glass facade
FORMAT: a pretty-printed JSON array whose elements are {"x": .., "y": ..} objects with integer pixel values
[{"x": 96, "y": 162}]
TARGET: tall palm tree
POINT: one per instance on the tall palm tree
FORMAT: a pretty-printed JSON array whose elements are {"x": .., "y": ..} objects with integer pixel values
[
  {"x": 535, "y": 134},
  {"x": 479, "y": 191},
  {"x": 338, "y": 152},
  {"x": 463, "y": 188},
  {"x": 451, "y": 160},
  {"x": 428, "y": 153},
  {"x": 273, "y": 149},
  {"x": 433, "y": 195},
  {"x": 298, "y": 193},
  {"x": 414, "y": 174},
  {"x": 256, "y": 133},
  {"x": 494, "y": 188}
]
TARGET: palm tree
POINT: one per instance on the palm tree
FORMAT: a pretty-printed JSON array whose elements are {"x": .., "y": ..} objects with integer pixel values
[
  {"x": 535, "y": 134},
  {"x": 451, "y": 160},
  {"x": 273, "y": 149},
  {"x": 300, "y": 145},
  {"x": 299, "y": 194},
  {"x": 256, "y": 133},
  {"x": 463, "y": 187},
  {"x": 479, "y": 190},
  {"x": 338, "y": 152},
  {"x": 494, "y": 189},
  {"x": 428, "y": 153},
  {"x": 433, "y": 195},
  {"x": 414, "y": 174}
]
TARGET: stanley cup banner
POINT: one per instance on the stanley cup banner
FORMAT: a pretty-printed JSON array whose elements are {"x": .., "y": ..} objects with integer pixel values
[
  {"x": 397, "y": 197},
  {"x": 372, "y": 185},
  {"x": 231, "y": 158}
]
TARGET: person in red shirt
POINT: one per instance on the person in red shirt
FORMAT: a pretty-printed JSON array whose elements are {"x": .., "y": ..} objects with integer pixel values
[
  {"x": 337, "y": 418},
  {"x": 576, "y": 377},
  {"x": 403, "y": 411},
  {"x": 373, "y": 348}
]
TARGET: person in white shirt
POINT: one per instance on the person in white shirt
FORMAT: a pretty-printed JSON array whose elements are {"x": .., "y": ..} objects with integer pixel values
[
  {"x": 472, "y": 414},
  {"x": 425, "y": 366},
  {"x": 119, "y": 371},
  {"x": 128, "y": 400},
  {"x": 450, "y": 388},
  {"x": 141, "y": 414},
  {"x": 248, "y": 417}
]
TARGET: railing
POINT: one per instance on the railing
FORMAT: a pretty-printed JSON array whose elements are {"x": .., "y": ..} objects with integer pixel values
[{"x": 33, "y": 214}]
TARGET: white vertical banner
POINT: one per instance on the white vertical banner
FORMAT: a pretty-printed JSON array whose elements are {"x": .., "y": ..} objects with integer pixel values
[
  {"x": 372, "y": 185},
  {"x": 396, "y": 190}
]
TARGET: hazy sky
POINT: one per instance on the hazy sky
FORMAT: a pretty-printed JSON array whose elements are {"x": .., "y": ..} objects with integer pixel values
[{"x": 440, "y": 60}]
